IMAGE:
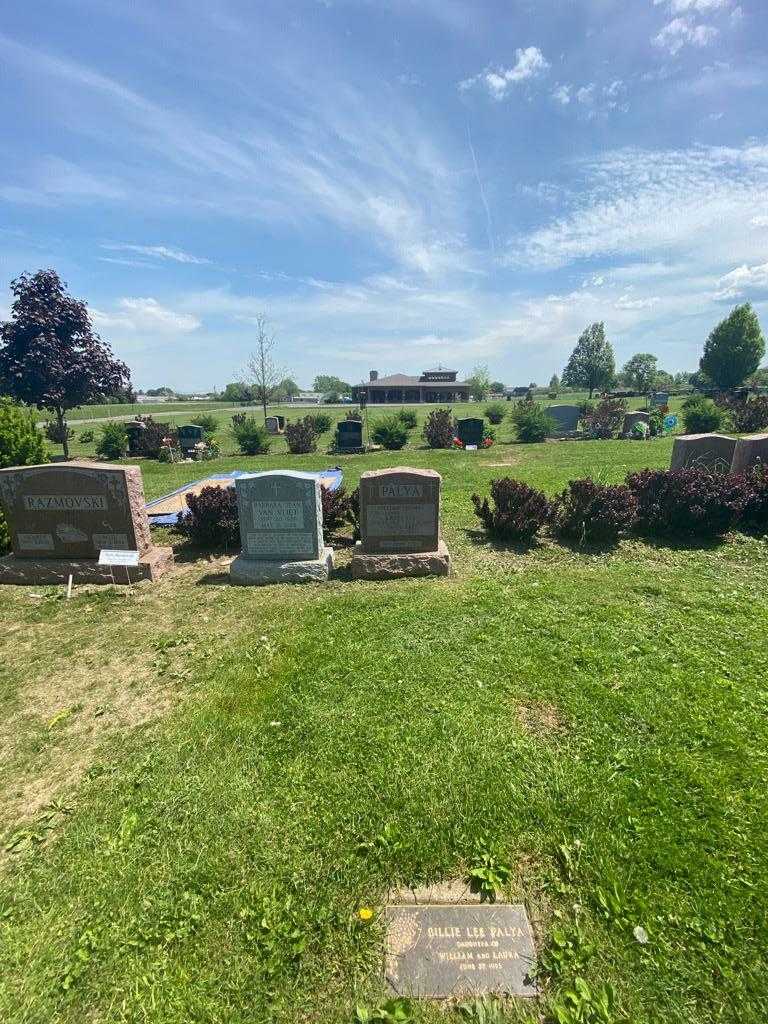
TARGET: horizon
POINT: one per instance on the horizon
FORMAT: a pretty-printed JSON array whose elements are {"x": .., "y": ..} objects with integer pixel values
[{"x": 394, "y": 185}]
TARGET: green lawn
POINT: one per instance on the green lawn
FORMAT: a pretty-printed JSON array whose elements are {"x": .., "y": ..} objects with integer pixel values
[
  {"x": 157, "y": 409},
  {"x": 201, "y": 784}
]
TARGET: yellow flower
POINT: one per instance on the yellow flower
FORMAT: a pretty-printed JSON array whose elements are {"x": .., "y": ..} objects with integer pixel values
[{"x": 365, "y": 914}]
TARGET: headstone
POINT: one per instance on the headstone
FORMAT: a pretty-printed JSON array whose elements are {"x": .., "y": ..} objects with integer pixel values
[
  {"x": 400, "y": 525},
  {"x": 62, "y": 516},
  {"x": 275, "y": 424},
  {"x": 631, "y": 418},
  {"x": 134, "y": 431},
  {"x": 190, "y": 435},
  {"x": 438, "y": 952},
  {"x": 750, "y": 450},
  {"x": 703, "y": 451},
  {"x": 470, "y": 430},
  {"x": 660, "y": 398},
  {"x": 281, "y": 529},
  {"x": 565, "y": 416},
  {"x": 349, "y": 435}
]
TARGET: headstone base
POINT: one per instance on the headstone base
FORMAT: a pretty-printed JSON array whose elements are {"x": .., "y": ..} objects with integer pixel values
[
  {"x": 381, "y": 566},
  {"x": 250, "y": 572},
  {"x": 152, "y": 565}
]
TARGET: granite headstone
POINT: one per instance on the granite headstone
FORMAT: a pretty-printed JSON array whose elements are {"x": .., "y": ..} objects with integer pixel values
[
  {"x": 470, "y": 430},
  {"x": 190, "y": 435},
  {"x": 349, "y": 435},
  {"x": 750, "y": 450},
  {"x": 631, "y": 418},
  {"x": 565, "y": 416},
  {"x": 703, "y": 451},
  {"x": 281, "y": 529},
  {"x": 275, "y": 424}
]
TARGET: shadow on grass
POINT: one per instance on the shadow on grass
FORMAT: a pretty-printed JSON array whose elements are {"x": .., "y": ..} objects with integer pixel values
[{"x": 519, "y": 547}]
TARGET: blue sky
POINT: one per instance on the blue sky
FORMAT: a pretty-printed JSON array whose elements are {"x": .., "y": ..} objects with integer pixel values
[{"x": 396, "y": 183}]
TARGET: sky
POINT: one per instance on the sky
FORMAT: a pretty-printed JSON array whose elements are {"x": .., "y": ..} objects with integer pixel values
[{"x": 396, "y": 184}]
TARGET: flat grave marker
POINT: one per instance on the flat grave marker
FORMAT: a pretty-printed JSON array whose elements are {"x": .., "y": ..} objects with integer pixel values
[{"x": 442, "y": 951}]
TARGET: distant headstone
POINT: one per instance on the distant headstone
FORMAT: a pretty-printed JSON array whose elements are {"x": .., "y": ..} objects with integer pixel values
[
  {"x": 281, "y": 529},
  {"x": 135, "y": 430},
  {"x": 349, "y": 435},
  {"x": 437, "y": 952},
  {"x": 275, "y": 424},
  {"x": 400, "y": 525},
  {"x": 631, "y": 418},
  {"x": 470, "y": 430},
  {"x": 565, "y": 416},
  {"x": 749, "y": 451},
  {"x": 660, "y": 398},
  {"x": 62, "y": 516},
  {"x": 703, "y": 451},
  {"x": 190, "y": 435}
]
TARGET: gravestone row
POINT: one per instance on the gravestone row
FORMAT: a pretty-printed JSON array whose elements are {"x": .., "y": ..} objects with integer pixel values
[{"x": 719, "y": 453}]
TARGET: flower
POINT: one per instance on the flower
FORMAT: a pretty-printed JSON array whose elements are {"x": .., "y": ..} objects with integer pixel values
[{"x": 365, "y": 914}]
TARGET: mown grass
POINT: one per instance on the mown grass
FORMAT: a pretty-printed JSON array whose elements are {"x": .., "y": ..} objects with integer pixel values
[{"x": 599, "y": 718}]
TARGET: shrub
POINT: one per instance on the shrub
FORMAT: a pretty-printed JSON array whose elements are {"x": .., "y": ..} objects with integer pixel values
[
  {"x": 209, "y": 423},
  {"x": 156, "y": 435},
  {"x": 701, "y": 415},
  {"x": 321, "y": 421},
  {"x": 337, "y": 510},
  {"x": 390, "y": 432},
  {"x": 354, "y": 513},
  {"x": 692, "y": 502},
  {"x": 750, "y": 416},
  {"x": 87, "y": 437},
  {"x": 593, "y": 512},
  {"x": 656, "y": 422},
  {"x": 301, "y": 436},
  {"x": 532, "y": 422},
  {"x": 113, "y": 442},
  {"x": 495, "y": 412},
  {"x": 56, "y": 433},
  {"x": 606, "y": 418},
  {"x": 408, "y": 418},
  {"x": 212, "y": 520},
  {"x": 518, "y": 511},
  {"x": 251, "y": 436},
  {"x": 21, "y": 443},
  {"x": 755, "y": 512},
  {"x": 438, "y": 430}
]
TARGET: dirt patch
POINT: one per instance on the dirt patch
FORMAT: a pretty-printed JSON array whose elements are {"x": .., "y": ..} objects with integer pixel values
[{"x": 540, "y": 719}]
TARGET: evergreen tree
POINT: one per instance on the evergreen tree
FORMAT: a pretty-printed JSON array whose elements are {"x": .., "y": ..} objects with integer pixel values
[
  {"x": 734, "y": 348},
  {"x": 591, "y": 364}
]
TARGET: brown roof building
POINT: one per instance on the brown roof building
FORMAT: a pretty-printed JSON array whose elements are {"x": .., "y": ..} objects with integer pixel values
[{"x": 432, "y": 386}]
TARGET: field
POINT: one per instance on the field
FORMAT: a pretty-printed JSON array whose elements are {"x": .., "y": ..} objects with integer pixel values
[
  {"x": 129, "y": 409},
  {"x": 201, "y": 785}
]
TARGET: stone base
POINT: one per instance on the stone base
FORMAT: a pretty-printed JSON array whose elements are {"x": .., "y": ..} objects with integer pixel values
[
  {"x": 41, "y": 571},
  {"x": 250, "y": 572},
  {"x": 386, "y": 566}
]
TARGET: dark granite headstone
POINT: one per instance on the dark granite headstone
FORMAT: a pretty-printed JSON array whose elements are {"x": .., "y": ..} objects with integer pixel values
[
  {"x": 660, "y": 398},
  {"x": 470, "y": 430},
  {"x": 134, "y": 431},
  {"x": 565, "y": 416},
  {"x": 189, "y": 435},
  {"x": 349, "y": 434},
  {"x": 438, "y": 952}
]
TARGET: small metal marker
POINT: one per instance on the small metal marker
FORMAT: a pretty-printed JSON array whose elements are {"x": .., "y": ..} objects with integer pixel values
[{"x": 69, "y": 587}]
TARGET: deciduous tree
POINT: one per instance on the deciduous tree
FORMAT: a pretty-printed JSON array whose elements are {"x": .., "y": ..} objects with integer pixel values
[
  {"x": 734, "y": 348},
  {"x": 591, "y": 364}
]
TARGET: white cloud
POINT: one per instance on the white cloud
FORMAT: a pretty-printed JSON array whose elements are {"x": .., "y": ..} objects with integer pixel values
[
  {"x": 586, "y": 94},
  {"x": 682, "y": 32},
  {"x": 759, "y": 222},
  {"x": 562, "y": 94},
  {"x": 701, "y": 6},
  {"x": 531, "y": 63},
  {"x": 629, "y": 302},
  {"x": 145, "y": 314},
  {"x": 741, "y": 281},
  {"x": 160, "y": 252}
]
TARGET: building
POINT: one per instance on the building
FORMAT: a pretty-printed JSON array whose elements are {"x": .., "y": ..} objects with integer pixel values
[
  {"x": 432, "y": 386},
  {"x": 307, "y": 398}
]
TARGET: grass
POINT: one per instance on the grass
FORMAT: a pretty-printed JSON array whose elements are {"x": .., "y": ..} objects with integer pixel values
[
  {"x": 124, "y": 409},
  {"x": 201, "y": 784}
]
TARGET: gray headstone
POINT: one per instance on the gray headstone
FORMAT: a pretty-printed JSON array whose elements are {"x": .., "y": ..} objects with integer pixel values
[
  {"x": 272, "y": 424},
  {"x": 399, "y": 510},
  {"x": 566, "y": 416},
  {"x": 660, "y": 398},
  {"x": 749, "y": 451},
  {"x": 349, "y": 434},
  {"x": 703, "y": 451},
  {"x": 281, "y": 516},
  {"x": 443, "y": 951},
  {"x": 470, "y": 430},
  {"x": 631, "y": 418}
]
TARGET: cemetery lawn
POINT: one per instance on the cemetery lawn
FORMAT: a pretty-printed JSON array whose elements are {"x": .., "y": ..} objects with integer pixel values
[{"x": 201, "y": 785}]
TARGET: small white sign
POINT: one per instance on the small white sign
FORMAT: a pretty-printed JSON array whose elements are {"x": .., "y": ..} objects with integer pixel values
[
  {"x": 470, "y": 448},
  {"x": 114, "y": 557}
]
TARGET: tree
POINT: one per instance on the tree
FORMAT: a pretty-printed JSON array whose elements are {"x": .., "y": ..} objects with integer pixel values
[
  {"x": 50, "y": 355},
  {"x": 326, "y": 384},
  {"x": 237, "y": 391},
  {"x": 734, "y": 348},
  {"x": 160, "y": 392},
  {"x": 479, "y": 383},
  {"x": 287, "y": 388},
  {"x": 639, "y": 372},
  {"x": 591, "y": 364},
  {"x": 663, "y": 381},
  {"x": 554, "y": 384},
  {"x": 498, "y": 387},
  {"x": 261, "y": 365}
]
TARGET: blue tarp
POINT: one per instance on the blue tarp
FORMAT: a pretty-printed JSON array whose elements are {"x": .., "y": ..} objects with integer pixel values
[{"x": 331, "y": 478}]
